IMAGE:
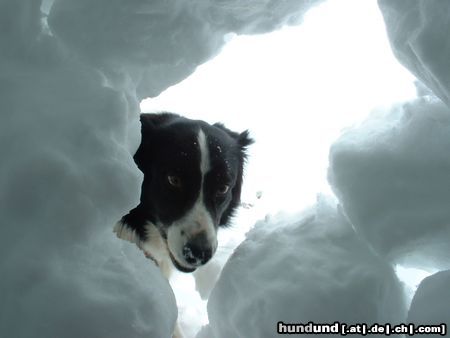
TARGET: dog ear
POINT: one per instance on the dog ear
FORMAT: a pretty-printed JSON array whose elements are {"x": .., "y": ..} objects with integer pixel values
[
  {"x": 243, "y": 140},
  {"x": 149, "y": 123}
]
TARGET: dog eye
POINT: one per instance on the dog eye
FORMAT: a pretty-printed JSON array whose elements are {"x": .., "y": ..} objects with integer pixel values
[
  {"x": 223, "y": 189},
  {"x": 174, "y": 181}
]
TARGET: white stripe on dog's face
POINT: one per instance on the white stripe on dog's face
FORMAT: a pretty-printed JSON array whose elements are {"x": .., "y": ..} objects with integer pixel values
[
  {"x": 204, "y": 154},
  {"x": 198, "y": 220}
]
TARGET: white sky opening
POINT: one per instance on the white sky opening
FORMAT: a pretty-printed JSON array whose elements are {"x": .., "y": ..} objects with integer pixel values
[{"x": 295, "y": 89}]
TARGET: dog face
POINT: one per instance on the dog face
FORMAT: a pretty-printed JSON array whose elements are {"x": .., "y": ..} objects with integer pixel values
[{"x": 192, "y": 183}]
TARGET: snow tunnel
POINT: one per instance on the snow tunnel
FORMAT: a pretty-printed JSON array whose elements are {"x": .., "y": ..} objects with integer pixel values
[{"x": 344, "y": 221}]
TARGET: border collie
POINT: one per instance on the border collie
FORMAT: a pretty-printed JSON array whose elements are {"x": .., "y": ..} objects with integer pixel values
[{"x": 192, "y": 185}]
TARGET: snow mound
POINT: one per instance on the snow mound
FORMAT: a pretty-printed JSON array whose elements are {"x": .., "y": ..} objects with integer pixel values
[
  {"x": 99, "y": 289},
  {"x": 310, "y": 267},
  {"x": 418, "y": 32},
  {"x": 431, "y": 303},
  {"x": 391, "y": 175},
  {"x": 152, "y": 45}
]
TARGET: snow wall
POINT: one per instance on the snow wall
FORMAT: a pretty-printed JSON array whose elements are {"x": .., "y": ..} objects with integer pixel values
[{"x": 72, "y": 73}]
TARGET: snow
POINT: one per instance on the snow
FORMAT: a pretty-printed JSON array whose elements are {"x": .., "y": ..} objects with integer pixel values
[
  {"x": 72, "y": 78},
  {"x": 66, "y": 177},
  {"x": 391, "y": 174},
  {"x": 418, "y": 33},
  {"x": 411, "y": 278},
  {"x": 72, "y": 293},
  {"x": 155, "y": 44},
  {"x": 308, "y": 267},
  {"x": 431, "y": 303}
]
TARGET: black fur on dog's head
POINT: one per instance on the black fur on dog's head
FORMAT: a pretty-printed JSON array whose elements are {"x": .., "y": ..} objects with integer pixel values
[{"x": 192, "y": 183}]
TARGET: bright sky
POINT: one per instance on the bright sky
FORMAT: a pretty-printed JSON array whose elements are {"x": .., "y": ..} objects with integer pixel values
[{"x": 295, "y": 89}]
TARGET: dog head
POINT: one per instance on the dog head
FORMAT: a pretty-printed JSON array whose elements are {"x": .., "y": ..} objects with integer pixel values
[{"x": 192, "y": 182}]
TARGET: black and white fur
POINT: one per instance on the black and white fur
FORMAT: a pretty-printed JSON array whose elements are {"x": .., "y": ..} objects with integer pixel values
[{"x": 192, "y": 185}]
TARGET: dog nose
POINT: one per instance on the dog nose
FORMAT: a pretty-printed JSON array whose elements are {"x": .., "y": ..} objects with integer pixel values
[{"x": 197, "y": 251}]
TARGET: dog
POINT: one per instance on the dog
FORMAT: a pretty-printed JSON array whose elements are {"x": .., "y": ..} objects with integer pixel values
[{"x": 192, "y": 182}]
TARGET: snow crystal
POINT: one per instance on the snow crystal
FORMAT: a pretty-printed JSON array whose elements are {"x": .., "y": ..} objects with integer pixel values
[
  {"x": 310, "y": 267},
  {"x": 392, "y": 174}
]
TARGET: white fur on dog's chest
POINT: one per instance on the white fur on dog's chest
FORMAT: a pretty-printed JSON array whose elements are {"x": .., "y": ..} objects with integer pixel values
[{"x": 154, "y": 247}]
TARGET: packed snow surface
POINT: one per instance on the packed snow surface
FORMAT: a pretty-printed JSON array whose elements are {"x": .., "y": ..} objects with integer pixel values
[
  {"x": 66, "y": 177},
  {"x": 72, "y": 74},
  {"x": 418, "y": 31},
  {"x": 431, "y": 303},
  {"x": 392, "y": 176},
  {"x": 296, "y": 269},
  {"x": 155, "y": 44}
]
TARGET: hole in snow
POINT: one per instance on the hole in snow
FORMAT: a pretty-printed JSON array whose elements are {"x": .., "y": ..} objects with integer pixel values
[
  {"x": 294, "y": 89},
  {"x": 411, "y": 277}
]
